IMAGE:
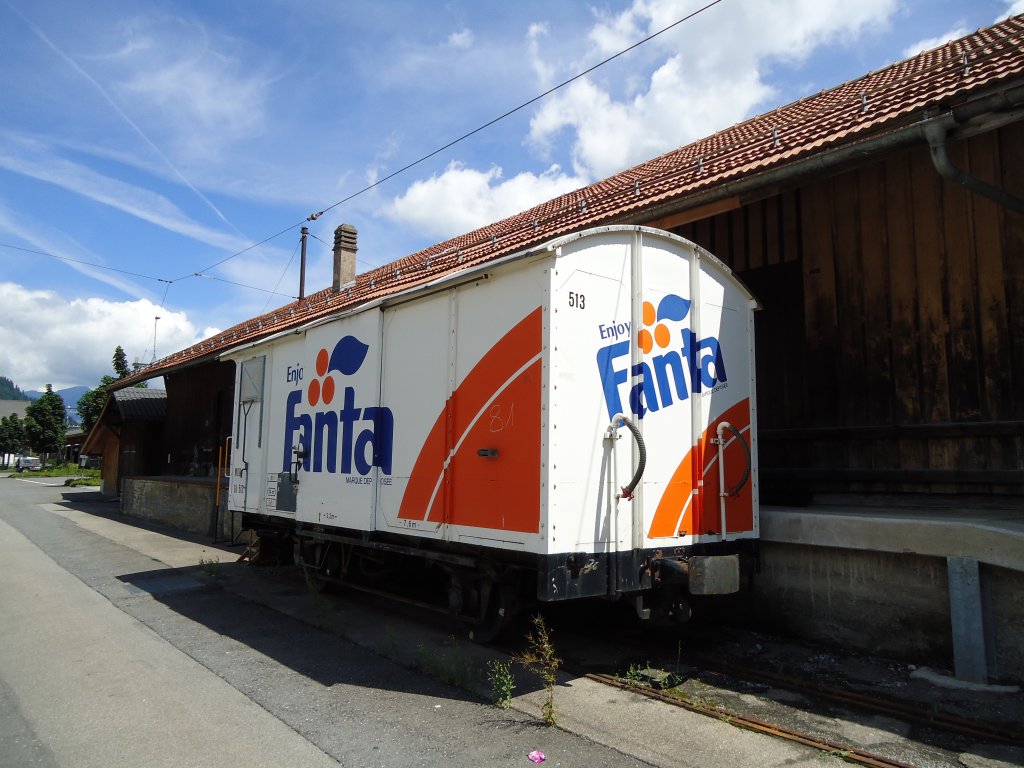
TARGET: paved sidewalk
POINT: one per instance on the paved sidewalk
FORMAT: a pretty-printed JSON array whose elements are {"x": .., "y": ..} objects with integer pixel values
[
  {"x": 92, "y": 686},
  {"x": 635, "y": 725}
]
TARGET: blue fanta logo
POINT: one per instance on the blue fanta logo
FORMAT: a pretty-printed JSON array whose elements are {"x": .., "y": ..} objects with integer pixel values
[
  {"x": 336, "y": 436},
  {"x": 676, "y": 363}
]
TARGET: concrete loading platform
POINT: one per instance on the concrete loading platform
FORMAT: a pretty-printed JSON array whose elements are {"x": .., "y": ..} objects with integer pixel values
[
  {"x": 930, "y": 580},
  {"x": 933, "y": 581}
]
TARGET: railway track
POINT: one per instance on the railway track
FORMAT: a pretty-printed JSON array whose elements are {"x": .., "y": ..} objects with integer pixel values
[
  {"x": 874, "y": 704},
  {"x": 844, "y": 751},
  {"x": 711, "y": 679},
  {"x": 577, "y": 636}
]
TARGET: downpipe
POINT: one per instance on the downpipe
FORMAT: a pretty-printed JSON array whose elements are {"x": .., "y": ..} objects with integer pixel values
[{"x": 935, "y": 132}]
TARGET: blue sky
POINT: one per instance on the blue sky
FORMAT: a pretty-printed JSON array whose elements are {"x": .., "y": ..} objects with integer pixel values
[{"x": 145, "y": 142}]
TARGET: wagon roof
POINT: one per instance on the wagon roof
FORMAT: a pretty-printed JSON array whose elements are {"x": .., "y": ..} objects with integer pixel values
[{"x": 879, "y": 102}]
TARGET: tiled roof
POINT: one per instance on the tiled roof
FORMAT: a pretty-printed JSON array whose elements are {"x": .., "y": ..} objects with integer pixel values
[
  {"x": 140, "y": 404},
  {"x": 881, "y": 101}
]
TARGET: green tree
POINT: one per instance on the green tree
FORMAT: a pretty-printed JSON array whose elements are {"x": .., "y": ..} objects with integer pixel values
[
  {"x": 121, "y": 367},
  {"x": 46, "y": 422},
  {"x": 45, "y": 425},
  {"x": 90, "y": 405},
  {"x": 10, "y": 391},
  {"x": 12, "y": 434}
]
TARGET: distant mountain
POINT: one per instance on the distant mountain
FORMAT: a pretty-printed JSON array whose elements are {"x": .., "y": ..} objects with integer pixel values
[{"x": 69, "y": 395}]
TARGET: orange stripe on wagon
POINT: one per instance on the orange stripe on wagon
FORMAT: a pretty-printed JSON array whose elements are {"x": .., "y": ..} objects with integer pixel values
[
  {"x": 496, "y": 407},
  {"x": 675, "y": 512}
]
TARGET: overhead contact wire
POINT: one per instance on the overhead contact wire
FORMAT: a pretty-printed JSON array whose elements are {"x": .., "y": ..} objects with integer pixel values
[
  {"x": 403, "y": 169},
  {"x": 463, "y": 137}
]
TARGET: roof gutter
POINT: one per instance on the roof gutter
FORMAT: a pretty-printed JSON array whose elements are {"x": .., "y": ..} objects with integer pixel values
[{"x": 981, "y": 114}]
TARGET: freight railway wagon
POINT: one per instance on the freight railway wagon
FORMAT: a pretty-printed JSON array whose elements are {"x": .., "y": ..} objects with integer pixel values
[{"x": 575, "y": 420}]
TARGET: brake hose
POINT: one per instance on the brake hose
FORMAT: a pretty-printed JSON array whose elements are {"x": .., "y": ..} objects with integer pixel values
[{"x": 627, "y": 490}]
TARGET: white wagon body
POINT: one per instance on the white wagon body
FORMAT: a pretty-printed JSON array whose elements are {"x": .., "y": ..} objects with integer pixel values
[{"x": 474, "y": 416}]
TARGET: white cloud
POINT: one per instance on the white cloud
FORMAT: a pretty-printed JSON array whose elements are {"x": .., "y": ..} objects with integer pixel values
[
  {"x": 200, "y": 92},
  {"x": 462, "y": 199},
  {"x": 933, "y": 42},
  {"x": 49, "y": 340},
  {"x": 698, "y": 87},
  {"x": 693, "y": 89},
  {"x": 1013, "y": 9},
  {"x": 461, "y": 39},
  {"x": 543, "y": 70}
]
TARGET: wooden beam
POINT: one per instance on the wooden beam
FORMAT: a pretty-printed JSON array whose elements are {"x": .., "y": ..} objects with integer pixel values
[{"x": 695, "y": 214}]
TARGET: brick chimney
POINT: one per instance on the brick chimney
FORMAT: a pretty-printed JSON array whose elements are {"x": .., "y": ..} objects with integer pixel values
[{"x": 344, "y": 256}]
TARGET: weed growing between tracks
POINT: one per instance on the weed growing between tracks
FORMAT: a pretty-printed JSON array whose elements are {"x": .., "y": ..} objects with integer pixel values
[
  {"x": 211, "y": 567},
  {"x": 455, "y": 668},
  {"x": 503, "y": 682},
  {"x": 695, "y": 692},
  {"x": 541, "y": 659},
  {"x": 634, "y": 676}
]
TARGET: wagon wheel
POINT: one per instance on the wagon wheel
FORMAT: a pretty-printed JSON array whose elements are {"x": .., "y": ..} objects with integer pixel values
[{"x": 497, "y": 614}]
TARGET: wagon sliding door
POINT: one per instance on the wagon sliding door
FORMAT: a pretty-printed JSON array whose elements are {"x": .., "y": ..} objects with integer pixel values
[
  {"x": 462, "y": 373},
  {"x": 248, "y": 487}
]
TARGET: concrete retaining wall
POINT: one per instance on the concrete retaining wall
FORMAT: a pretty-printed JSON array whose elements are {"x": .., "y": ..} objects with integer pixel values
[
  {"x": 182, "y": 502},
  {"x": 881, "y": 602},
  {"x": 1003, "y": 592},
  {"x": 880, "y": 583}
]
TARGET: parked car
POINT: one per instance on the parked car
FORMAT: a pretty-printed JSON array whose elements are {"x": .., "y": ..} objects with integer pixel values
[{"x": 28, "y": 463}]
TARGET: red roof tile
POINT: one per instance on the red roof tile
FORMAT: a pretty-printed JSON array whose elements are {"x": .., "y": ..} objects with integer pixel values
[{"x": 879, "y": 101}]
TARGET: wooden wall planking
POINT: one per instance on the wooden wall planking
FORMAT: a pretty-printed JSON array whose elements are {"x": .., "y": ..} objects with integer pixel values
[
  {"x": 902, "y": 277},
  {"x": 820, "y": 311},
  {"x": 850, "y": 329},
  {"x": 772, "y": 230},
  {"x": 1011, "y": 161},
  {"x": 991, "y": 331},
  {"x": 754, "y": 234},
  {"x": 932, "y": 321},
  {"x": 912, "y": 298},
  {"x": 961, "y": 311},
  {"x": 792, "y": 242},
  {"x": 1011, "y": 155},
  {"x": 720, "y": 238},
  {"x": 875, "y": 255}
]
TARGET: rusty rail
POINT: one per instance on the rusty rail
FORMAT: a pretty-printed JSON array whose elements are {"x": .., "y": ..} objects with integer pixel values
[
  {"x": 899, "y": 709},
  {"x": 843, "y": 751}
]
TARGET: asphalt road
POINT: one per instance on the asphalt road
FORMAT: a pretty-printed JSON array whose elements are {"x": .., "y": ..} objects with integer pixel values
[{"x": 109, "y": 657}]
